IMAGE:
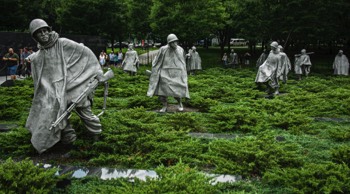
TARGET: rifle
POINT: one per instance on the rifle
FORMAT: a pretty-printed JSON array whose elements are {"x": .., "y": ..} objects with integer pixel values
[
  {"x": 298, "y": 55},
  {"x": 91, "y": 87}
]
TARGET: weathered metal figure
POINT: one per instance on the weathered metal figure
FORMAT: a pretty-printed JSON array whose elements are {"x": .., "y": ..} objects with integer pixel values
[
  {"x": 233, "y": 60},
  {"x": 169, "y": 76},
  {"x": 286, "y": 65},
  {"x": 64, "y": 73},
  {"x": 131, "y": 61},
  {"x": 270, "y": 71},
  {"x": 302, "y": 64},
  {"x": 195, "y": 62},
  {"x": 341, "y": 64}
]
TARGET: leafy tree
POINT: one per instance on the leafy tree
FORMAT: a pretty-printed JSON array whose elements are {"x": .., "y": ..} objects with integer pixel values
[
  {"x": 17, "y": 14},
  {"x": 138, "y": 17},
  {"x": 94, "y": 17},
  {"x": 189, "y": 20}
]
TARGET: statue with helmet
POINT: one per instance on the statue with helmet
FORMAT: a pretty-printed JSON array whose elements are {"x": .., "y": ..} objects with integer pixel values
[
  {"x": 271, "y": 70},
  {"x": 65, "y": 74},
  {"x": 302, "y": 64},
  {"x": 194, "y": 60},
  {"x": 341, "y": 64},
  {"x": 130, "y": 63},
  {"x": 169, "y": 76}
]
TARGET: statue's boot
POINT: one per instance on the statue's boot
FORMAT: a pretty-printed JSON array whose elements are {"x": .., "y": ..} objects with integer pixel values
[
  {"x": 164, "y": 101},
  {"x": 180, "y": 106}
]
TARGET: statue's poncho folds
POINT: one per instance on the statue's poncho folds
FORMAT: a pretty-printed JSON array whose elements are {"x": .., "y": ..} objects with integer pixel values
[
  {"x": 61, "y": 70},
  {"x": 169, "y": 76}
]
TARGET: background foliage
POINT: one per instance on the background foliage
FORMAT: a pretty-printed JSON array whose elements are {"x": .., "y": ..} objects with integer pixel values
[{"x": 294, "y": 23}]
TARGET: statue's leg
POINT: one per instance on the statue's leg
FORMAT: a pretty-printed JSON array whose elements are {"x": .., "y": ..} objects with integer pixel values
[
  {"x": 268, "y": 87},
  {"x": 164, "y": 101},
  {"x": 274, "y": 85},
  {"x": 180, "y": 108},
  {"x": 68, "y": 135},
  {"x": 307, "y": 69},
  {"x": 91, "y": 121}
]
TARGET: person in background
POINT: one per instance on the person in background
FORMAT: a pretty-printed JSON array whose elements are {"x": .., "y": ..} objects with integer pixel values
[
  {"x": 112, "y": 58},
  {"x": 102, "y": 59},
  {"x": 11, "y": 59},
  {"x": 246, "y": 58},
  {"x": 20, "y": 65},
  {"x": 24, "y": 70},
  {"x": 120, "y": 58},
  {"x": 224, "y": 60}
]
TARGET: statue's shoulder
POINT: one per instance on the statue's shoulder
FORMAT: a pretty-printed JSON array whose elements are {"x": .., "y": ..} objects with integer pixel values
[
  {"x": 66, "y": 41},
  {"x": 180, "y": 48},
  {"x": 164, "y": 48}
]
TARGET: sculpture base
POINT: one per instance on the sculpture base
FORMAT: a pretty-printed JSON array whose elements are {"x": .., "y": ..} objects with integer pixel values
[
  {"x": 7, "y": 127},
  {"x": 172, "y": 108}
]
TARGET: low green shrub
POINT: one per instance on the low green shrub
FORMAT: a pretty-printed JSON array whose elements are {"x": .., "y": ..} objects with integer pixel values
[
  {"x": 20, "y": 146},
  {"x": 340, "y": 133},
  {"x": 179, "y": 178},
  {"x": 25, "y": 177},
  {"x": 311, "y": 178},
  {"x": 341, "y": 155},
  {"x": 252, "y": 156}
]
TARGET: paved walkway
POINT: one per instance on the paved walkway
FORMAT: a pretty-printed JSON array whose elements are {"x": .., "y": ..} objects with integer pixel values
[
  {"x": 146, "y": 59},
  {"x": 3, "y": 79}
]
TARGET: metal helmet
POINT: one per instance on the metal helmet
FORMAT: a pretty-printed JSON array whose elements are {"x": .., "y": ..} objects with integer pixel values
[
  {"x": 172, "y": 38},
  {"x": 280, "y": 47},
  {"x": 36, "y": 24},
  {"x": 274, "y": 44}
]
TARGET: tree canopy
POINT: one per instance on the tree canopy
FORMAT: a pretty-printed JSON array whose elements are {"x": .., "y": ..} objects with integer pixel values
[{"x": 291, "y": 22}]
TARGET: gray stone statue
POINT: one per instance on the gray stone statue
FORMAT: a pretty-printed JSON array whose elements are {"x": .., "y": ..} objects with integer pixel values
[
  {"x": 62, "y": 71},
  {"x": 169, "y": 76},
  {"x": 233, "y": 60},
  {"x": 131, "y": 61},
  {"x": 341, "y": 64},
  {"x": 286, "y": 65},
  {"x": 262, "y": 58},
  {"x": 302, "y": 64},
  {"x": 195, "y": 62},
  {"x": 270, "y": 71}
]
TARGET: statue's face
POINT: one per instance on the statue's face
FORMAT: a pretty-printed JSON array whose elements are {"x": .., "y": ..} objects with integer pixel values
[
  {"x": 42, "y": 35},
  {"x": 173, "y": 44}
]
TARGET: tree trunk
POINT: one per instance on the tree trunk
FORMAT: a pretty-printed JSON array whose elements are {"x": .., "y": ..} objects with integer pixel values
[{"x": 223, "y": 39}]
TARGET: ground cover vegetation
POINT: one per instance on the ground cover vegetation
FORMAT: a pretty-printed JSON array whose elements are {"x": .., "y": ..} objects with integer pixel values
[{"x": 297, "y": 142}]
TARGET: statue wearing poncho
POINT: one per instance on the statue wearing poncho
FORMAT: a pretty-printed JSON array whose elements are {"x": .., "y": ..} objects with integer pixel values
[
  {"x": 62, "y": 69},
  {"x": 270, "y": 71},
  {"x": 195, "y": 62},
  {"x": 169, "y": 76},
  {"x": 341, "y": 64},
  {"x": 302, "y": 64}
]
